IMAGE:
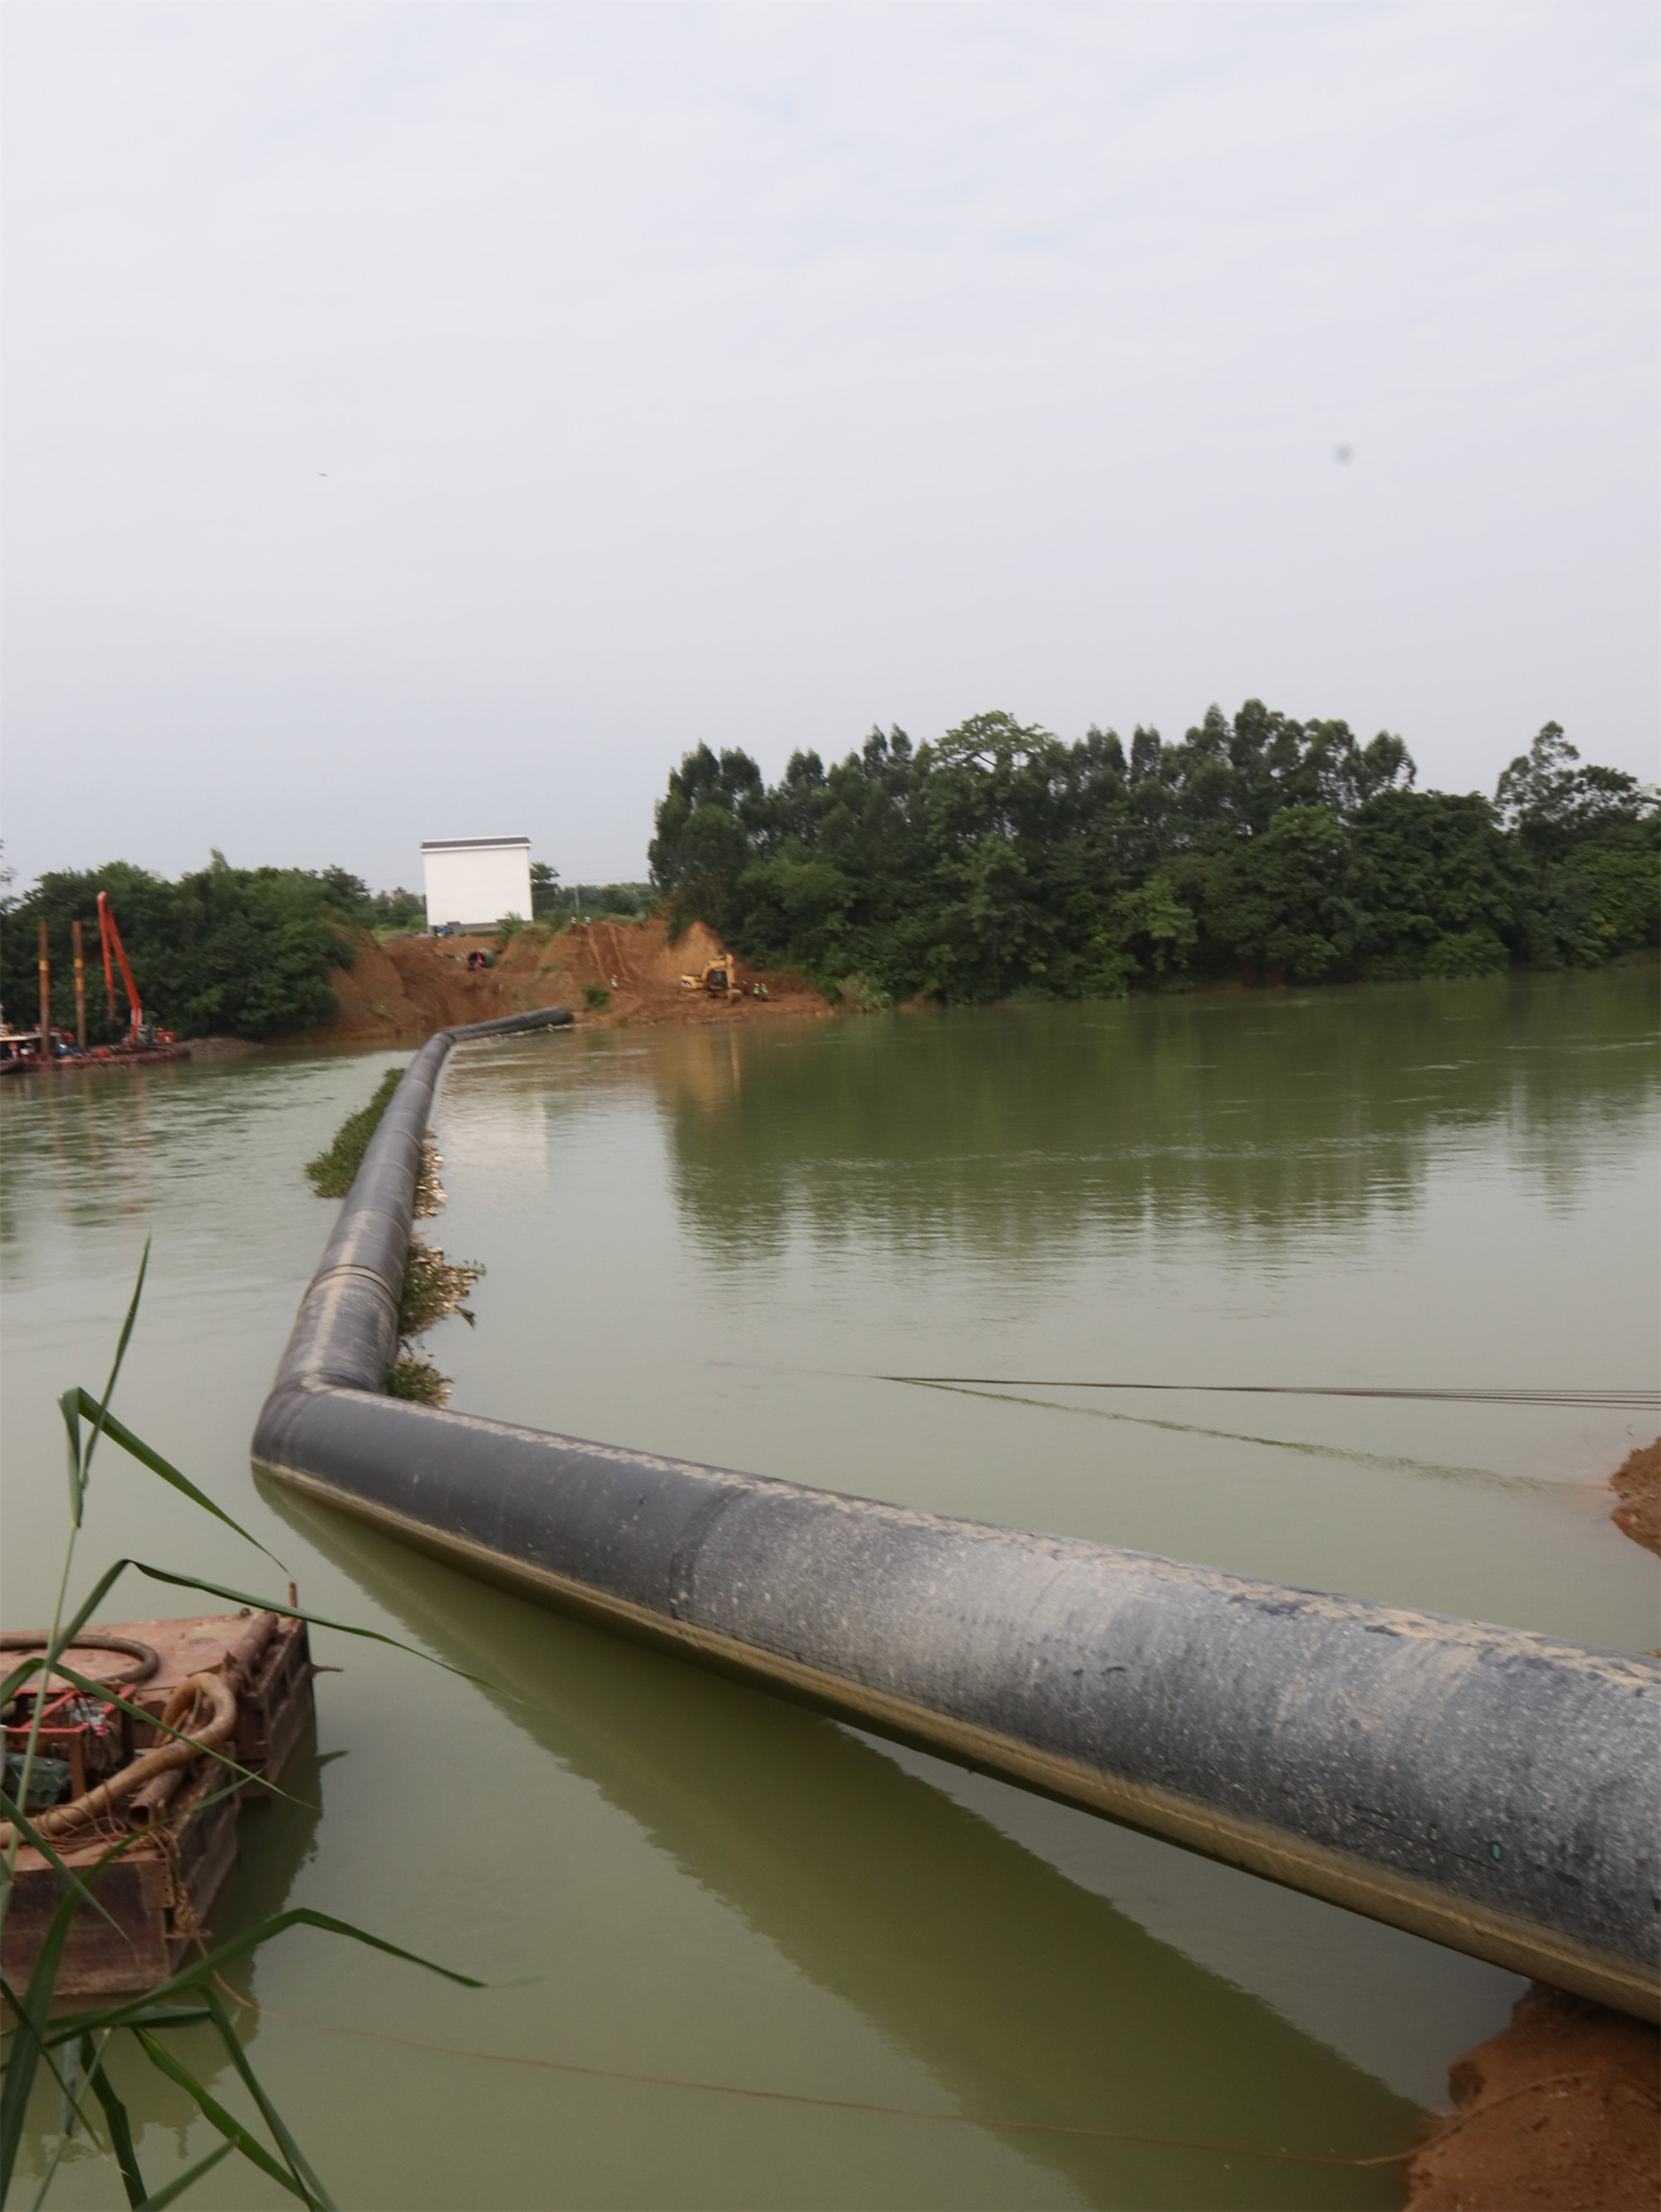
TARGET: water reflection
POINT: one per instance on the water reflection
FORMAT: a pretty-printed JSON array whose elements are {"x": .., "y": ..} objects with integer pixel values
[
  {"x": 1023, "y": 1994},
  {"x": 96, "y": 1132},
  {"x": 1269, "y": 1119}
]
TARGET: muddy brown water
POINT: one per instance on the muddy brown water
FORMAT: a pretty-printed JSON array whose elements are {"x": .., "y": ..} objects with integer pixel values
[{"x": 710, "y": 1243}]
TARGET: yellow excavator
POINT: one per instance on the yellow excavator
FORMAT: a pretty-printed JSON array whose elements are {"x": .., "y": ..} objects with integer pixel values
[{"x": 719, "y": 979}]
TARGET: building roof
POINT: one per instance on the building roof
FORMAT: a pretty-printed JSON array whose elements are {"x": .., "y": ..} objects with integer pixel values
[{"x": 468, "y": 844}]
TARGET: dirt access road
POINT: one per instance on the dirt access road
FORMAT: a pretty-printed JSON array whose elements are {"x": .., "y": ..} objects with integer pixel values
[{"x": 404, "y": 990}]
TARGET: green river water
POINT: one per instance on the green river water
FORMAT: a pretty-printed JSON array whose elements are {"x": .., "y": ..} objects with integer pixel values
[{"x": 739, "y": 1955}]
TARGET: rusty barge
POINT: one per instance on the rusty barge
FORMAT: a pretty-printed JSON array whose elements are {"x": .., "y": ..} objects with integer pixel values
[{"x": 236, "y": 1687}]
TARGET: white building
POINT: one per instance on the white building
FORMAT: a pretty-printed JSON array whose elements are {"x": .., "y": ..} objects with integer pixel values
[{"x": 475, "y": 881}]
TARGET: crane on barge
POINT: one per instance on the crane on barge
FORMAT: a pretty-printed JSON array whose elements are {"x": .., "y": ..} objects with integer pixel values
[
  {"x": 143, "y": 1044},
  {"x": 109, "y": 938}
]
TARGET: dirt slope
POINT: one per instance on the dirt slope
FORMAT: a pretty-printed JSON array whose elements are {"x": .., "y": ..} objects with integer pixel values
[
  {"x": 635, "y": 963},
  {"x": 403, "y": 991}
]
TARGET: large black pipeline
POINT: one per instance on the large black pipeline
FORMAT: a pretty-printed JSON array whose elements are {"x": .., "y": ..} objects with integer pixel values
[{"x": 1493, "y": 1790}]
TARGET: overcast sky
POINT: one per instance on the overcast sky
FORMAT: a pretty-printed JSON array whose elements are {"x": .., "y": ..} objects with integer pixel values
[{"x": 431, "y": 421}]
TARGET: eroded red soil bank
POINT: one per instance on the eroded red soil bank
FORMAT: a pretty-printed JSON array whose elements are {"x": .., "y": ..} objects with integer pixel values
[{"x": 401, "y": 991}]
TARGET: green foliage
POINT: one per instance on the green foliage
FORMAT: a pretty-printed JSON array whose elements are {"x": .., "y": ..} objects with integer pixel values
[
  {"x": 1590, "y": 848},
  {"x": 546, "y": 895},
  {"x": 396, "y": 911},
  {"x": 434, "y": 1288},
  {"x": 232, "y": 951},
  {"x": 331, "y": 1172},
  {"x": 417, "y": 1380},
  {"x": 1002, "y": 860},
  {"x": 1466, "y": 952},
  {"x": 551, "y": 901},
  {"x": 596, "y": 997},
  {"x": 625, "y": 902},
  {"x": 859, "y": 992},
  {"x": 1274, "y": 899},
  {"x": 510, "y": 926},
  {"x": 349, "y": 893}
]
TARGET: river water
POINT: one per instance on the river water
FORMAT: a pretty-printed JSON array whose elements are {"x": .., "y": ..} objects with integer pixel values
[{"x": 738, "y": 1955}]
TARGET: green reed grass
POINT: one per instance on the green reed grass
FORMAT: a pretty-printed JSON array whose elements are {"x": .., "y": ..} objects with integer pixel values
[{"x": 72, "y": 2048}]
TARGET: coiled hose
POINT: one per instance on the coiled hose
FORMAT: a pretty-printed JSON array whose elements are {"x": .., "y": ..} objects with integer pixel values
[
  {"x": 91, "y": 1640},
  {"x": 218, "y": 1700}
]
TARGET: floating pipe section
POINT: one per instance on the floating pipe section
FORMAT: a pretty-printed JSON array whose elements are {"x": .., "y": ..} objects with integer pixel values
[{"x": 1491, "y": 1789}]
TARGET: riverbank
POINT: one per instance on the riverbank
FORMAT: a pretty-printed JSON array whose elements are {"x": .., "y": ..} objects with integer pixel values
[
  {"x": 403, "y": 990},
  {"x": 1556, "y": 2114},
  {"x": 1637, "y": 1484}
]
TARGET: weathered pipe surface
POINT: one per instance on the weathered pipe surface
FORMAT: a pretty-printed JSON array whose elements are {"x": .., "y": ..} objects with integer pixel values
[{"x": 1495, "y": 1790}]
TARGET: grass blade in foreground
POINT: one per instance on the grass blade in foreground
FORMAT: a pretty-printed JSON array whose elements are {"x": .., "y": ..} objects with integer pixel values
[
  {"x": 172, "y": 2191},
  {"x": 19, "y": 1820},
  {"x": 102, "y": 1409},
  {"x": 191, "y": 1977},
  {"x": 28, "y": 2044},
  {"x": 214, "y": 2113},
  {"x": 298, "y": 2164},
  {"x": 120, "y": 2125},
  {"x": 297, "y": 1613},
  {"x": 148, "y": 1457},
  {"x": 66, "y": 1636}
]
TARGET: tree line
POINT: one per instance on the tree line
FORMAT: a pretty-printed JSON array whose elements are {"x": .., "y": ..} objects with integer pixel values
[
  {"x": 228, "y": 951},
  {"x": 1000, "y": 859},
  {"x": 557, "y": 902}
]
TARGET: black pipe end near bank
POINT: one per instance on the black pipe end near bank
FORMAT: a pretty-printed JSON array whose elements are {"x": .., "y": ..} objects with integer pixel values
[{"x": 1493, "y": 1790}]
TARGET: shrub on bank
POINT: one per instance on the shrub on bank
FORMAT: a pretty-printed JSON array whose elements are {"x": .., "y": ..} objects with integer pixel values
[{"x": 332, "y": 1173}]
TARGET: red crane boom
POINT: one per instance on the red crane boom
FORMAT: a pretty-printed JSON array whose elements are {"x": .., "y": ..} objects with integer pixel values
[{"x": 109, "y": 937}]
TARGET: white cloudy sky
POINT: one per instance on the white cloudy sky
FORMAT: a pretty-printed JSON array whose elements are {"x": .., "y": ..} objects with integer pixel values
[{"x": 431, "y": 420}]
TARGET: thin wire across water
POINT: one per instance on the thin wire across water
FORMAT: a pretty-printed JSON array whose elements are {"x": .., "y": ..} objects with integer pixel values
[
  {"x": 825, "y": 2104},
  {"x": 1640, "y": 1401}
]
